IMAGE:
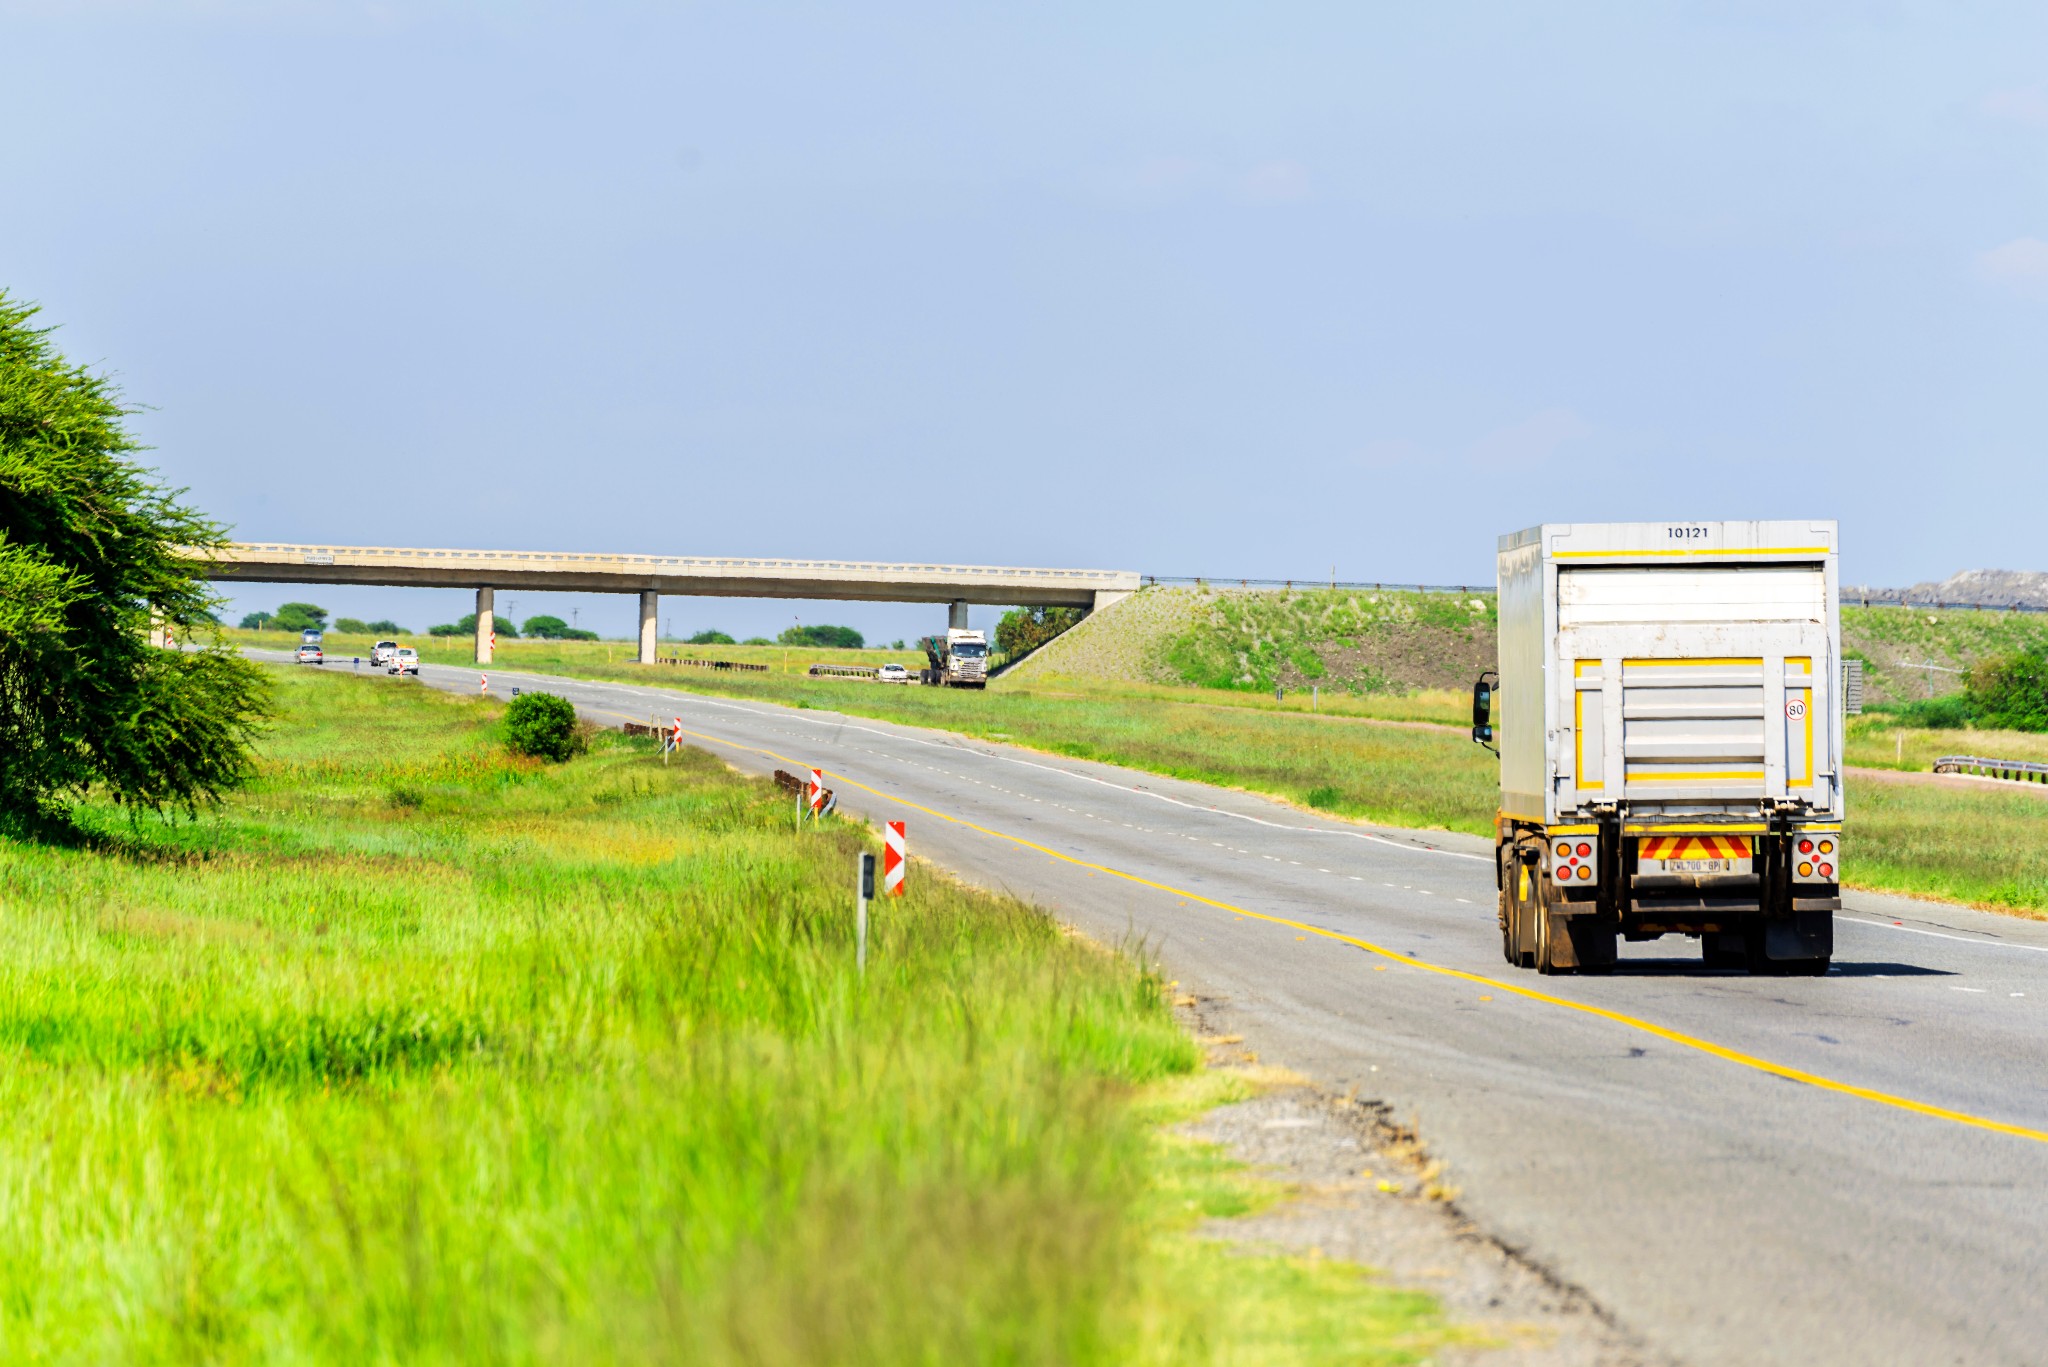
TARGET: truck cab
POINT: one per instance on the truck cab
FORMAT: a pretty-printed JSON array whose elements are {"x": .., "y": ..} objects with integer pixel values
[
  {"x": 959, "y": 659},
  {"x": 1669, "y": 729}
]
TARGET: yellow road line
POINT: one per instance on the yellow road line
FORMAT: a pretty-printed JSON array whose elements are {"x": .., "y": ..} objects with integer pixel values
[{"x": 1761, "y": 1065}]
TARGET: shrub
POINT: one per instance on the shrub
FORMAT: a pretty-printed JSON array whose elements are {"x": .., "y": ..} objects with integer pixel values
[
  {"x": 2009, "y": 691},
  {"x": 352, "y": 626},
  {"x": 1949, "y": 712},
  {"x": 385, "y": 627},
  {"x": 546, "y": 628},
  {"x": 712, "y": 638},
  {"x": 542, "y": 725},
  {"x": 256, "y": 621},
  {"x": 1026, "y": 629},
  {"x": 465, "y": 625},
  {"x": 758, "y": 641},
  {"x": 828, "y": 637},
  {"x": 300, "y": 617}
]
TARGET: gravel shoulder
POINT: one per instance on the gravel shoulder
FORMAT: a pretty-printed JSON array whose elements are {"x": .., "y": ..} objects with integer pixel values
[{"x": 1363, "y": 1188}]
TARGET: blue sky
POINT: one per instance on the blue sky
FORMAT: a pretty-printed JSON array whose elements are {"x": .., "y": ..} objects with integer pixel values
[{"x": 1188, "y": 289}]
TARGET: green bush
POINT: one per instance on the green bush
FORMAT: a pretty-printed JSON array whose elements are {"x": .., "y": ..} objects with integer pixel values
[
  {"x": 1950, "y": 712},
  {"x": 2009, "y": 691},
  {"x": 300, "y": 617},
  {"x": 712, "y": 638},
  {"x": 542, "y": 725},
  {"x": 1023, "y": 630},
  {"x": 465, "y": 625},
  {"x": 828, "y": 637},
  {"x": 352, "y": 626}
]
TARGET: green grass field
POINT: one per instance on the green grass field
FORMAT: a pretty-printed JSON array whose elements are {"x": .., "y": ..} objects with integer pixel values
[{"x": 417, "y": 1052}]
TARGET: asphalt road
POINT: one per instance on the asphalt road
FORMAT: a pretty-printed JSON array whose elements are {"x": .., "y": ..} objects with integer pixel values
[{"x": 1866, "y": 1210}]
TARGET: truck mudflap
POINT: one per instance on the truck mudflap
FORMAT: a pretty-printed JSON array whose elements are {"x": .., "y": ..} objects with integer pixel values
[{"x": 1802, "y": 937}]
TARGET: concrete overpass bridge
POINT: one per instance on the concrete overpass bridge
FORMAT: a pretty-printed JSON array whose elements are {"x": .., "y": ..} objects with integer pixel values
[{"x": 651, "y": 576}]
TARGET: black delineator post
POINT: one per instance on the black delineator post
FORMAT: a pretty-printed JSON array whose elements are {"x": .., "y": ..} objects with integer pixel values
[{"x": 864, "y": 883}]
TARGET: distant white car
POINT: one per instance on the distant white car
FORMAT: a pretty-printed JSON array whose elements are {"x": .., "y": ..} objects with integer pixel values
[
  {"x": 381, "y": 653},
  {"x": 404, "y": 660},
  {"x": 310, "y": 655},
  {"x": 892, "y": 674}
]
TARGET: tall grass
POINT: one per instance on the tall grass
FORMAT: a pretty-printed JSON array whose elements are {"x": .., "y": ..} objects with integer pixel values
[{"x": 421, "y": 1053}]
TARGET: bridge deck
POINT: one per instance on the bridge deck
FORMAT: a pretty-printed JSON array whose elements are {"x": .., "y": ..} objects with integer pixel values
[{"x": 682, "y": 575}]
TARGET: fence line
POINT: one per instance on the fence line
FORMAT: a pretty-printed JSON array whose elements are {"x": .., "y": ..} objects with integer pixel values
[{"x": 1865, "y": 600}]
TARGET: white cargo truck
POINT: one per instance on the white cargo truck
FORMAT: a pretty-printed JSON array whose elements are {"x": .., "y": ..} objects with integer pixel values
[
  {"x": 1669, "y": 729},
  {"x": 959, "y": 659}
]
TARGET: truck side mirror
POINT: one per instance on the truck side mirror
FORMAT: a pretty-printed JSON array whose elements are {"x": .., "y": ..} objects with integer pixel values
[{"x": 1482, "y": 710}]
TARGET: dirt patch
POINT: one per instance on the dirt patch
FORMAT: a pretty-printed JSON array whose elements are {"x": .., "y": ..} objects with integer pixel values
[
  {"x": 1953, "y": 782},
  {"x": 1365, "y": 1190},
  {"x": 1401, "y": 660}
]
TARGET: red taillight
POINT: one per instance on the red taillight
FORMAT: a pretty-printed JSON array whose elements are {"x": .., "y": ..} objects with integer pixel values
[
  {"x": 1806, "y": 847},
  {"x": 1585, "y": 850},
  {"x": 1827, "y": 870}
]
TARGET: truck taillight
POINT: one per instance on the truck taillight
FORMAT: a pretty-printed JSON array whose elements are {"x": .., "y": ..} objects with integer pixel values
[
  {"x": 1573, "y": 860},
  {"x": 1819, "y": 859}
]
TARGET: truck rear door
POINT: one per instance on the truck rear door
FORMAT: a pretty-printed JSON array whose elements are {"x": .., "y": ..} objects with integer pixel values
[{"x": 1694, "y": 687}]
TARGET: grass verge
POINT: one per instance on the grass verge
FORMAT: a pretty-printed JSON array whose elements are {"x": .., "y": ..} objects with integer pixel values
[{"x": 418, "y": 1052}]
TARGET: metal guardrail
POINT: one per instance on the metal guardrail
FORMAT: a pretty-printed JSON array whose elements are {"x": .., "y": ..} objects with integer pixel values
[
  {"x": 1206, "y": 581},
  {"x": 1872, "y": 600},
  {"x": 710, "y": 664},
  {"x": 2022, "y": 770}
]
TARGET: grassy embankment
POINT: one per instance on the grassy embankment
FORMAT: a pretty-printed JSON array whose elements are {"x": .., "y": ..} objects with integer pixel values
[{"x": 419, "y": 1052}]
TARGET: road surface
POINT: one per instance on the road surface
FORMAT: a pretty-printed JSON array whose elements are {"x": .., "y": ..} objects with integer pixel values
[{"x": 1743, "y": 1170}]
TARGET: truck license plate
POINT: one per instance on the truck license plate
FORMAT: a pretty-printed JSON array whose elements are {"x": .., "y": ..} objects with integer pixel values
[{"x": 1700, "y": 865}]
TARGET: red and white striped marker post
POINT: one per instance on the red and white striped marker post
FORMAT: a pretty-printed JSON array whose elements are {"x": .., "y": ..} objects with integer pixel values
[
  {"x": 483, "y": 683},
  {"x": 892, "y": 859},
  {"x": 817, "y": 795}
]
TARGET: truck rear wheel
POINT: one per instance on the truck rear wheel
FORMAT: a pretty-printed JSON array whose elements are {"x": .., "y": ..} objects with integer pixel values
[{"x": 1508, "y": 950}]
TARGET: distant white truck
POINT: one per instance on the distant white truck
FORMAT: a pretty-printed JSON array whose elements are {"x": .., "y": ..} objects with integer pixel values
[
  {"x": 959, "y": 659},
  {"x": 1669, "y": 729}
]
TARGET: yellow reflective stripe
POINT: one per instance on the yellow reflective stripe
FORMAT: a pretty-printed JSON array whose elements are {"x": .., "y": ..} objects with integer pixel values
[
  {"x": 1684, "y": 662},
  {"x": 1758, "y": 550}
]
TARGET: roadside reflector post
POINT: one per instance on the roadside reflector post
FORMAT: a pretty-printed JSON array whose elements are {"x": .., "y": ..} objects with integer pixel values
[
  {"x": 817, "y": 796},
  {"x": 865, "y": 883},
  {"x": 892, "y": 858},
  {"x": 483, "y": 684}
]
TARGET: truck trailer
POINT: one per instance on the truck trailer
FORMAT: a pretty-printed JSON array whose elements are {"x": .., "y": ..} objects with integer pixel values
[{"x": 1668, "y": 721}]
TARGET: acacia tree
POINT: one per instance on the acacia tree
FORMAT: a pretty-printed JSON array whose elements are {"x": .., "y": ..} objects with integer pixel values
[{"x": 92, "y": 551}]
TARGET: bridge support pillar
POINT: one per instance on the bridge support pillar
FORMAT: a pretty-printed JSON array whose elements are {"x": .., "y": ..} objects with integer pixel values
[
  {"x": 956, "y": 615},
  {"x": 650, "y": 621},
  {"x": 486, "y": 624},
  {"x": 1105, "y": 597}
]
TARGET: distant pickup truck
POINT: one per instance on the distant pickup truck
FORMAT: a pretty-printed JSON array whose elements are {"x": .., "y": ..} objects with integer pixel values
[
  {"x": 404, "y": 660},
  {"x": 381, "y": 653}
]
